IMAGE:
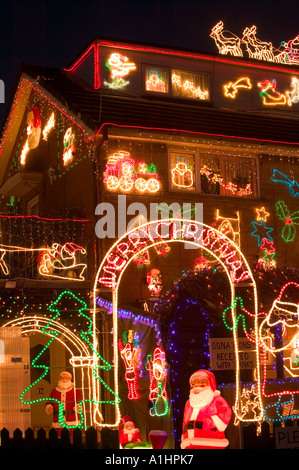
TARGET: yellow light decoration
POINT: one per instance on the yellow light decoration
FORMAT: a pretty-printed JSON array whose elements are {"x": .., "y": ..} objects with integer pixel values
[
  {"x": 63, "y": 258},
  {"x": 226, "y": 226},
  {"x": 182, "y": 172},
  {"x": 120, "y": 173},
  {"x": 256, "y": 48},
  {"x": 58, "y": 257},
  {"x": 24, "y": 153},
  {"x": 119, "y": 67},
  {"x": 262, "y": 214},
  {"x": 271, "y": 97},
  {"x": 227, "y": 42},
  {"x": 49, "y": 126},
  {"x": 188, "y": 86},
  {"x": 231, "y": 89}
]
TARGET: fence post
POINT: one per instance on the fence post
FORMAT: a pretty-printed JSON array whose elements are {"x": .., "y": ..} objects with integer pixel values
[
  {"x": 29, "y": 439},
  {"x": 91, "y": 437},
  {"x": 77, "y": 438},
  {"x": 65, "y": 438},
  {"x": 41, "y": 439},
  {"x": 17, "y": 439},
  {"x": 109, "y": 439},
  {"x": 53, "y": 439},
  {"x": 5, "y": 442}
]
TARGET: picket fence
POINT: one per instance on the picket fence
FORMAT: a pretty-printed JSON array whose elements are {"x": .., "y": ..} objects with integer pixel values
[{"x": 87, "y": 439}]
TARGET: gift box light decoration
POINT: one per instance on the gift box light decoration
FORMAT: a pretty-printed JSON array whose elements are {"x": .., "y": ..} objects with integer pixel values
[
  {"x": 124, "y": 174},
  {"x": 119, "y": 66}
]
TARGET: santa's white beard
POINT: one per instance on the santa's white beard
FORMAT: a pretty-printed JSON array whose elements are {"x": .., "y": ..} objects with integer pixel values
[
  {"x": 202, "y": 398},
  {"x": 130, "y": 433},
  {"x": 65, "y": 385}
]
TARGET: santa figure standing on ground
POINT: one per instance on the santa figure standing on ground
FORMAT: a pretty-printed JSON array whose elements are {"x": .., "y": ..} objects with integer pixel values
[
  {"x": 128, "y": 431},
  {"x": 206, "y": 414},
  {"x": 68, "y": 398}
]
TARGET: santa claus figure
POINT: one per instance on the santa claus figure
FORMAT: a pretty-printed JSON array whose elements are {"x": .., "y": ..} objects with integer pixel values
[
  {"x": 128, "y": 432},
  {"x": 33, "y": 128},
  {"x": 65, "y": 403},
  {"x": 206, "y": 414}
]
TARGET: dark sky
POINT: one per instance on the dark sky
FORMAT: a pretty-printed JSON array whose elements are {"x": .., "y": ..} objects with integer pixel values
[{"x": 53, "y": 33}]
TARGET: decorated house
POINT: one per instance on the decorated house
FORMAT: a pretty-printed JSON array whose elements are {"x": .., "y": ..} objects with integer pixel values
[{"x": 148, "y": 230}]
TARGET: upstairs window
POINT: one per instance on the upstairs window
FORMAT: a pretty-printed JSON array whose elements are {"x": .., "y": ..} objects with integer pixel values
[
  {"x": 223, "y": 175},
  {"x": 156, "y": 80},
  {"x": 189, "y": 85}
]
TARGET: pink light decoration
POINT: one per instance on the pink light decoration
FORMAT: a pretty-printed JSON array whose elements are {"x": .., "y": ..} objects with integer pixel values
[{"x": 122, "y": 251}]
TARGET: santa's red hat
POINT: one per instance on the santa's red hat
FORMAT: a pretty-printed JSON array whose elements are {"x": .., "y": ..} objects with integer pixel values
[
  {"x": 126, "y": 420},
  {"x": 36, "y": 116},
  {"x": 205, "y": 374},
  {"x": 288, "y": 299}
]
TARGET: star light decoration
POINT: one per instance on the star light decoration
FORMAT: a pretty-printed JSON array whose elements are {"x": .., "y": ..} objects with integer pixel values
[
  {"x": 261, "y": 231},
  {"x": 265, "y": 241}
]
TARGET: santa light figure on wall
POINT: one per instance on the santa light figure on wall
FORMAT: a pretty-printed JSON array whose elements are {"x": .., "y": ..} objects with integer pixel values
[
  {"x": 154, "y": 281},
  {"x": 33, "y": 127},
  {"x": 206, "y": 414}
]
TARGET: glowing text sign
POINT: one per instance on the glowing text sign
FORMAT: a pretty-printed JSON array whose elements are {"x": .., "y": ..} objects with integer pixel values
[{"x": 157, "y": 232}]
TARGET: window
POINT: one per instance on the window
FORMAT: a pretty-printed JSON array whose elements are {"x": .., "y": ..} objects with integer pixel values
[
  {"x": 183, "y": 84},
  {"x": 182, "y": 170},
  {"x": 224, "y": 175},
  {"x": 33, "y": 206},
  {"x": 189, "y": 85},
  {"x": 156, "y": 79}
]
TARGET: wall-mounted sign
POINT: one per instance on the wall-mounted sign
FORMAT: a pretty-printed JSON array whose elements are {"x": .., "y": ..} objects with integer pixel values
[{"x": 222, "y": 353}]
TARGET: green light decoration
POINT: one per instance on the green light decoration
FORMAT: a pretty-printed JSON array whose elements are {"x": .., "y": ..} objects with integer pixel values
[
  {"x": 158, "y": 395},
  {"x": 241, "y": 316},
  {"x": 85, "y": 335},
  {"x": 290, "y": 220}
]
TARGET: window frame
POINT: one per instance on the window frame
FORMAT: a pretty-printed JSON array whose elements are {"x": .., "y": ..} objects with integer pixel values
[
  {"x": 198, "y": 154},
  {"x": 156, "y": 67},
  {"x": 182, "y": 70}
]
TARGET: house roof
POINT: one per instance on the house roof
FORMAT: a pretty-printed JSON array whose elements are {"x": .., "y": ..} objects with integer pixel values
[{"x": 97, "y": 107}]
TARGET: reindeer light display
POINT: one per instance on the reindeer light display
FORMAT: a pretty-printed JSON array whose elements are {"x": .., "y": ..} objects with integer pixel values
[{"x": 229, "y": 43}]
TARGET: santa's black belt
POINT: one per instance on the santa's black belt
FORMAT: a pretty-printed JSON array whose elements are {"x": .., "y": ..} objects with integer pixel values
[
  {"x": 195, "y": 425},
  {"x": 65, "y": 412}
]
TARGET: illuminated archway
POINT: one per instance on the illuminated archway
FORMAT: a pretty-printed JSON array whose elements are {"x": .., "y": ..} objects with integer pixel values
[
  {"x": 218, "y": 245},
  {"x": 80, "y": 358}
]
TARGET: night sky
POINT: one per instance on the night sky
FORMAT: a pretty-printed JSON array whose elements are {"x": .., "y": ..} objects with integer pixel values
[{"x": 53, "y": 33}]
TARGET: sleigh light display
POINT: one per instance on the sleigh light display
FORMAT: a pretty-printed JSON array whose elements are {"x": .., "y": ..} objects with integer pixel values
[{"x": 124, "y": 174}]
